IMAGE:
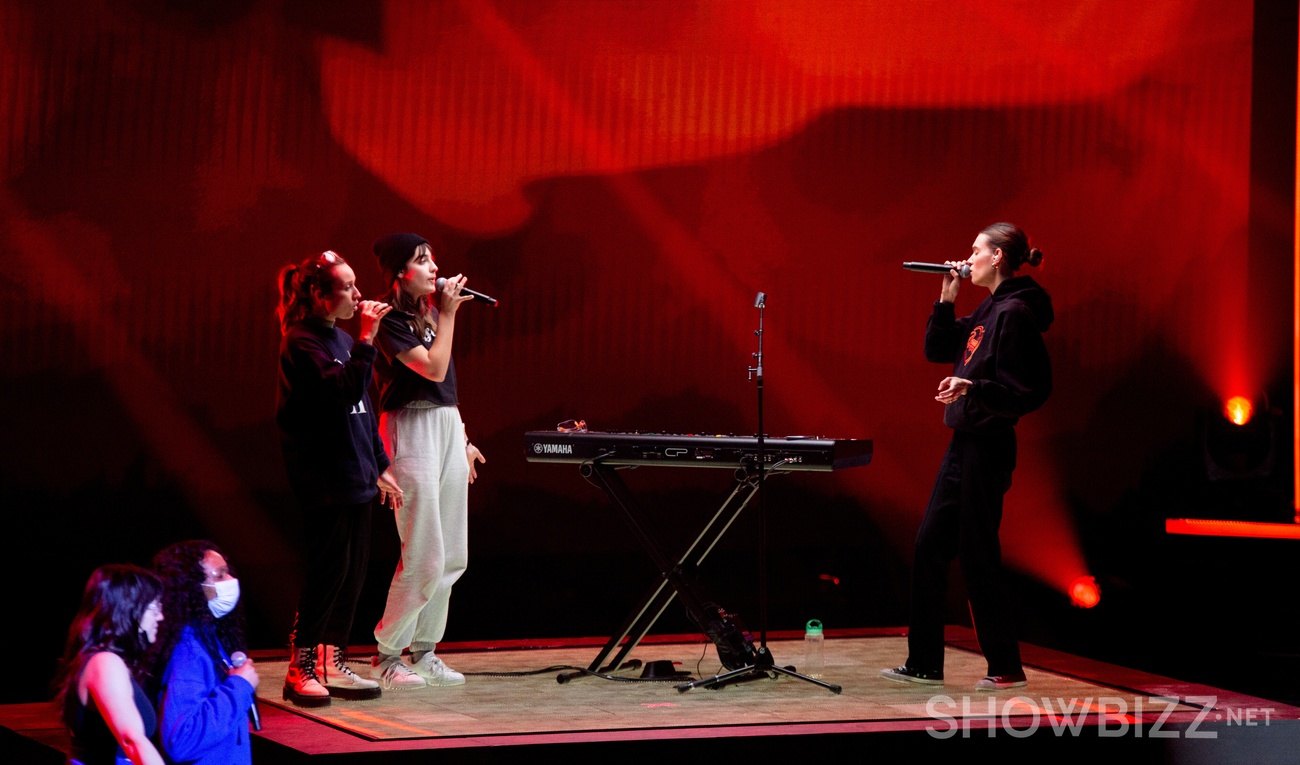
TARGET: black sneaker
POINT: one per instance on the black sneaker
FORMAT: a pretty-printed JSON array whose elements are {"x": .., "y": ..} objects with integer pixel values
[
  {"x": 1002, "y": 682},
  {"x": 906, "y": 674}
]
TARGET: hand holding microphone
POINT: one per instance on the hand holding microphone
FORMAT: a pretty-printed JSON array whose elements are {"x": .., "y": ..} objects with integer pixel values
[
  {"x": 371, "y": 312},
  {"x": 950, "y": 284},
  {"x": 240, "y": 666},
  {"x": 467, "y": 293},
  {"x": 963, "y": 269}
]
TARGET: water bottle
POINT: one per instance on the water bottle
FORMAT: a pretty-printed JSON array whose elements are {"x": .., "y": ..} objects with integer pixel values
[{"x": 813, "y": 649}]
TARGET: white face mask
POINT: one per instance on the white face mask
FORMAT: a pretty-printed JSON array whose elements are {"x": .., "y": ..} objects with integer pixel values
[{"x": 227, "y": 595}]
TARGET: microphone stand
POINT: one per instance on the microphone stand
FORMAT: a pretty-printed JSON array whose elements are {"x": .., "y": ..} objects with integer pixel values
[{"x": 764, "y": 665}]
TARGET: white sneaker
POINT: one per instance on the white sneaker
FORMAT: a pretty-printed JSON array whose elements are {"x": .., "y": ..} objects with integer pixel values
[
  {"x": 395, "y": 674},
  {"x": 339, "y": 679},
  {"x": 432, "y": 669}
]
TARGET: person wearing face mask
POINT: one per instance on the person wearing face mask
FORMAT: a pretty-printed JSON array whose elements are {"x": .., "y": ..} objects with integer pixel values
[
  {"x": 336, "y": 466},
  {"x": 107, "y": 712},
  {"x": 205, "y": 696}
]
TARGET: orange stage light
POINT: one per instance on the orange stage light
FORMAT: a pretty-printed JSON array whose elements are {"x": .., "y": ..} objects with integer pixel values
[
  {"x": 1238, "y": 410},
  {"x": 1084, "y": 592}
]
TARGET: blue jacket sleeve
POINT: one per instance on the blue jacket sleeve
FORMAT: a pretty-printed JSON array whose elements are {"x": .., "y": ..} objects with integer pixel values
[{"x": 202, "y": 708}]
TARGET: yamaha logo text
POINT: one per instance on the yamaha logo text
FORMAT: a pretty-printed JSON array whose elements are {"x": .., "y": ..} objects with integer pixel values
[{"x": 553, "y": 448}]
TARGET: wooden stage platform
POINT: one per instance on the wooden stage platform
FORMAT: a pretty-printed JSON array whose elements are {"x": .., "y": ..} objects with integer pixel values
[{"x": 513, "y": 708}]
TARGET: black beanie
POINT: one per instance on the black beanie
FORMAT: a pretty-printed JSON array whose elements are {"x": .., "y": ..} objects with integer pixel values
[{"x": 395, "y": 250}]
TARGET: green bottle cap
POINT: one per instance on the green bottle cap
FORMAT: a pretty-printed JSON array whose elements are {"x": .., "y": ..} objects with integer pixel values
[{"x": 814, "y": 627}]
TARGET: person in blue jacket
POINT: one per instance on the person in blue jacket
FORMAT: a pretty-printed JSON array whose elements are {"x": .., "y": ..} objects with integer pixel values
[
  {"x": 205, "y": 695},
  {"x": 1000, "y": 372}
]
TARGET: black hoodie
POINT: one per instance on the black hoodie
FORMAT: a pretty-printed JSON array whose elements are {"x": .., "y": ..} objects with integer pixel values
[
  {"x": 328, "y": 431},
  {"x": 1000, "y": 349}
]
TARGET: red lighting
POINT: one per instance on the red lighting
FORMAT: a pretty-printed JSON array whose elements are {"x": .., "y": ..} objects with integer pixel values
[
  {"x": 1238, "y": 410},
  {"x": 1084, "y": 592}
]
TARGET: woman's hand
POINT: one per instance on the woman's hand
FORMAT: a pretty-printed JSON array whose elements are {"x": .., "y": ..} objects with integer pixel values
[
  {"x": 390, "y": 494},
  {"x": 451, "y": 297},
  {"x": 951, "y": 389},
  {"x": 951, "y": 282},
  {"x": 371, "y": 312},
  {"x": 472, "y": 453},
  {"x": 248, "y": 672}
]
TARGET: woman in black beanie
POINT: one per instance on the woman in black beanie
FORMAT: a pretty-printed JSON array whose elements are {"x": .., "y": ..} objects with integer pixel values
[{"x": 433, "y": 460}]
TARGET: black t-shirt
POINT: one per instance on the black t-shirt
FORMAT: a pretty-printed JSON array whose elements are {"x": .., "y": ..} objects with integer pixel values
[{"x": 398, "y": 384}]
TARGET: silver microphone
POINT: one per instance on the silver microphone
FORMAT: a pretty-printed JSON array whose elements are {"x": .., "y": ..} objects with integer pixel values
[
  {"x": 938, "y": 268},
  {"x": 467, "y": 291},
  {"x": 237, "y": 659}
]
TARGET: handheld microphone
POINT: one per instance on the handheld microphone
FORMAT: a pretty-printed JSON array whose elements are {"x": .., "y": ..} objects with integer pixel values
[
  {"x": 938, "y": 268},
  {"x": 237, "y": 659},
  {"x": 467, "y": 291}
]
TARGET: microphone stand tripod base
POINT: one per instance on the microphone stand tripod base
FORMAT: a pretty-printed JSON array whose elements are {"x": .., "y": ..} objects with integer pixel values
[{"x": 763, "y": 667}]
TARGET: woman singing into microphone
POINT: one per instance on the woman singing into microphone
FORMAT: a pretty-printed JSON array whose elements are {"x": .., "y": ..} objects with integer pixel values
[
  {"x": 1000, "y": 372},
  {"x": 336, "y": 465},
  {"x": 432, "y": 457}
]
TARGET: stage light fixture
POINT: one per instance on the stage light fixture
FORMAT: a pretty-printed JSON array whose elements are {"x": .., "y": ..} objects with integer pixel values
[
  {"x": 1238, "y": 410},
  {"x": 1240, "y": 443},
  {"x": 1084, "y": 592}
]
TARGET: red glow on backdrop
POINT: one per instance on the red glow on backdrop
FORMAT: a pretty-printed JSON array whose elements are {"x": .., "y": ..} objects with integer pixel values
[
  {"x": 628, "y": 175},
  {"x": 1084, "y": 592}
]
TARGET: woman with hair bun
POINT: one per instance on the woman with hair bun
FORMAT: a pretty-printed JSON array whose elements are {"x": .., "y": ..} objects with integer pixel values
[
  {"x": 336, "y": 465},
  {"x": 109, "y": 715},
  {"x": 1001, "y": 372}
]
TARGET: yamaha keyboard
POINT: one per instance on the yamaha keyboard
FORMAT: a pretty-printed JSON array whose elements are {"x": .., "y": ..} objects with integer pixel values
[{"x": 693, "y": 450}]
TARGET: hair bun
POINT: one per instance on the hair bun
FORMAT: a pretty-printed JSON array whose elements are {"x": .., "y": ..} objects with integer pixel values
[{"x": 1035, "y": 256}]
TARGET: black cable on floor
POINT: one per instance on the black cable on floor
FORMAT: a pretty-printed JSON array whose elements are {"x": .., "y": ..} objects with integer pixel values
[{"x": 584, "y": 671}]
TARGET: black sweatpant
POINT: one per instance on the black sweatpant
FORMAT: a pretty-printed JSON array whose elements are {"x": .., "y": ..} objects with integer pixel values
[
  {"x": 962, "y": 522},
  {"x": 337, "y": 549}
]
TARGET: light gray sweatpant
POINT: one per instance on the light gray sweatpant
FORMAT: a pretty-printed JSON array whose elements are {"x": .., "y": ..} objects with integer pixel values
[{"x": 427, "y": 447}]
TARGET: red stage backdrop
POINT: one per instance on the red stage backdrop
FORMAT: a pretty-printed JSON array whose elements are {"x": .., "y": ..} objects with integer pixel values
[{"x": 624, "y": 177}]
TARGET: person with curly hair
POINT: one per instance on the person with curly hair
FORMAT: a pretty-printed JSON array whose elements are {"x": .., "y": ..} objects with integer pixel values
[
  {"x": 107, "y": 712},
  {"x": 205, "y": 697}
]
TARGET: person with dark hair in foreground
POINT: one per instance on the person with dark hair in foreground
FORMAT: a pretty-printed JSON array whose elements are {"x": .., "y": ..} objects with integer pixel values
[
  {"x": 433, "y": 460},
  {"x": 107, "y": 712},
  {"x": 336, "y": 464},
  {"x": 205, "y": 696},
  {"x": 1001, "y": 372}
]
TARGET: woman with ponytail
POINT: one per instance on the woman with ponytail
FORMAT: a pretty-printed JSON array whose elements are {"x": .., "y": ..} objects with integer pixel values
[
  {"x": 336, "y": 465},
  {"x": 109, "y": 715},
  {"x": 1000, "y": 372}
]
